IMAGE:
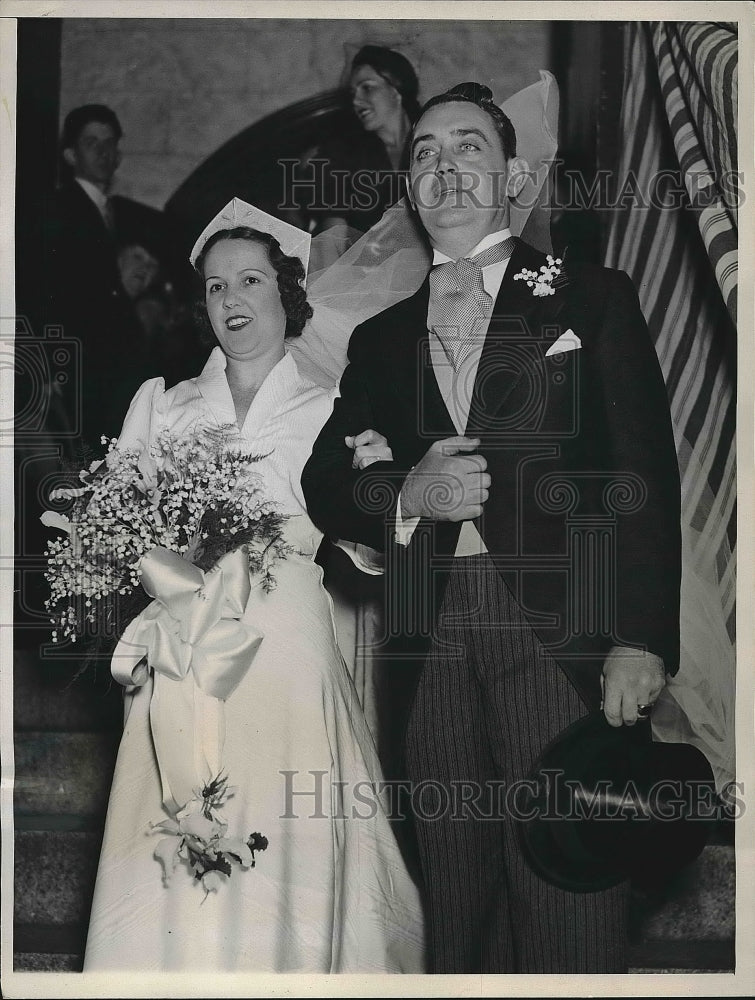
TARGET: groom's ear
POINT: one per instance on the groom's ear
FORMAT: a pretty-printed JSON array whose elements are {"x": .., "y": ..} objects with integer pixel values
[{"x": 519, "y": 171}]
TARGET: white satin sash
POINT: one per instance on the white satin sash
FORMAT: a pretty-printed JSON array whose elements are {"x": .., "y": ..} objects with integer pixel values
[{"x": 192, "y": 639}]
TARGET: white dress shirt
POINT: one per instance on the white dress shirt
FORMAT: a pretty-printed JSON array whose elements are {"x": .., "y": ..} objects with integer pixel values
[{"x": 456, "y": 386}]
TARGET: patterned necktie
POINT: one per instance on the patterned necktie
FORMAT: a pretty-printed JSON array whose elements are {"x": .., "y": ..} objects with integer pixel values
[{"x": 459, "y": 304}]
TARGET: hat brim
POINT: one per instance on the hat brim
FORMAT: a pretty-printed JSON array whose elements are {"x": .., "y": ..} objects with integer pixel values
[{"x": 612, "y": 805}]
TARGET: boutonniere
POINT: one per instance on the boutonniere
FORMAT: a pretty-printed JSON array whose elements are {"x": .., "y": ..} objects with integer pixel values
[{"x": 546, "y": 280}]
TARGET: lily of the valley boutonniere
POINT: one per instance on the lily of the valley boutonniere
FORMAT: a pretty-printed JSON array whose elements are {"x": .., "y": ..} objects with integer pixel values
[{"x": 541, "y": 282}]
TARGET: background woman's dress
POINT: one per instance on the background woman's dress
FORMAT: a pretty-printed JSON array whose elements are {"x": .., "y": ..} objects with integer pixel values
[
  {"x": 356, "y": 180},
  {"x": 331, "y": 893}
]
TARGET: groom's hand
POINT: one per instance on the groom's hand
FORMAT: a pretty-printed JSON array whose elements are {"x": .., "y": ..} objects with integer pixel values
[
  {"x": 631, "y": 677},
  {"x": 447, "y": 484}
]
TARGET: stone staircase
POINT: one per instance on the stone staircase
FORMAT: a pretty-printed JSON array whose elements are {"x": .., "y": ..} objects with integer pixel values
[{"x": 66, "y": 741}]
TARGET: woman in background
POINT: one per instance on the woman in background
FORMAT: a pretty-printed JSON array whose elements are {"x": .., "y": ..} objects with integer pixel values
[{"x": 364, "y": 166}]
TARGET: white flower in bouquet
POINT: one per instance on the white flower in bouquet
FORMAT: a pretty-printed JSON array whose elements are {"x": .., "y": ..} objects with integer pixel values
[{"x": 197, "y": 495}]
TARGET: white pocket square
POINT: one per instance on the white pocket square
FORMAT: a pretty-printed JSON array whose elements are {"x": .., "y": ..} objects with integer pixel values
[{"x": 568, "y": 341}]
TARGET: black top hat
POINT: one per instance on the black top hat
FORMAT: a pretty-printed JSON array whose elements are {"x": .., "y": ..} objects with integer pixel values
[{"x": 605, "y": 804}]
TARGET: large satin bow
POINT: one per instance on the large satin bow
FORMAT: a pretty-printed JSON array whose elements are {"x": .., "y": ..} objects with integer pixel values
[{"x": 192, "y": 624}]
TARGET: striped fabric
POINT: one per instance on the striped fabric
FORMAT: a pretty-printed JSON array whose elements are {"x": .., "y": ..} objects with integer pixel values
[
  {"x": 488, "y": 700},
  {"x": 697, "y": 67},
  {"x": 679, "y": 120}
]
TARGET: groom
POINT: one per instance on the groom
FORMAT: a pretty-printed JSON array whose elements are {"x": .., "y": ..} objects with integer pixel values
[{"x": 529, "y": 511}]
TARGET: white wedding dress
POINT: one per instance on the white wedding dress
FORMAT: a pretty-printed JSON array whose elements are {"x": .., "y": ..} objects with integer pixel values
[{"x": 331, "y": 893}]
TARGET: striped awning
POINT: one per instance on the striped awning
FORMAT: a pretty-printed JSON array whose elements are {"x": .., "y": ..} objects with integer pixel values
[{"x": 674, "y": 231}]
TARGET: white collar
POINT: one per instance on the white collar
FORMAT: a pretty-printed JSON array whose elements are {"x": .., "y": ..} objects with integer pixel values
[
  {"x": 93, "y": 192},
  {"x": 281, "y": 383},
  {"x": 491, "y": 240}
]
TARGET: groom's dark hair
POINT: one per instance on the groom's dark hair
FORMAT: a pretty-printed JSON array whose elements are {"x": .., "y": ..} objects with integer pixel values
[{"x": 477, "y": 93}]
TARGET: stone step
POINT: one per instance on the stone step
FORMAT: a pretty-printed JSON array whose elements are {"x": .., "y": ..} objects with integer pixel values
[
  {"x": 55, "y": 872},
  {"x": 61, "y": 773},
  {"x": 49, "y": 939},
  {"x": 691, "y": 956},
  {"x": 697, "y": 904},
  {"x": 54, "y": 876},
  {"x": 48, "y": 947},
  {"x": 39, "y": 961},
  {"x": 48, "y": 695}
]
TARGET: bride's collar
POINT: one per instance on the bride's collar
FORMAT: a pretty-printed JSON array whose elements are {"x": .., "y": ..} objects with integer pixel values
[{"x": 282, "y": 381}]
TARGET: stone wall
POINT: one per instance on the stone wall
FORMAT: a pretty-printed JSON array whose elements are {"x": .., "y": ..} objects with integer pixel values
[{"x": 183, "y": 87}]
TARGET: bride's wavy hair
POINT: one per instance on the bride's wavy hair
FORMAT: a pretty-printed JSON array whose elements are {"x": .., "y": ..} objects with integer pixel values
[{"x": 289, "y": 271}]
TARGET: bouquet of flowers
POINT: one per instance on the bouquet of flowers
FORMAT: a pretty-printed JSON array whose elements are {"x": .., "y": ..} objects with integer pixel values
[{"x": 197, "y": 495}]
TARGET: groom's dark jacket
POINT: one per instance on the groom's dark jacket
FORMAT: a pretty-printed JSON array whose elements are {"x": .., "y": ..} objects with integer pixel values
[{"x": 582, "y": 521}]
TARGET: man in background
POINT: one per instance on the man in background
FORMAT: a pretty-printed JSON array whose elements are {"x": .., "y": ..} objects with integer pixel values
[{"x": 87, "y": 231}]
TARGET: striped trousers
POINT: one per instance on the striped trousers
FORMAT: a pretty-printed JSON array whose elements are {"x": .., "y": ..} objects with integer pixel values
[{"x": 489, "y": 698}]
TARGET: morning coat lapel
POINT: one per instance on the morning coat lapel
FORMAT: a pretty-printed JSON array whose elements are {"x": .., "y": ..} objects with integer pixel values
[
  {"x": 426, "y": 419},
  {"x": 87, "y": 211},
  {"x": 420, "y": 384},
  {"x": 513, "y": 343}
]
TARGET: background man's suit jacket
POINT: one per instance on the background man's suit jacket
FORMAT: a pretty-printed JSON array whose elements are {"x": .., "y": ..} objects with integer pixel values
[
  {"x": 82, "y": 291},
  {"x": 583, "y": 516},
  {"x": 82, "y": 250}
]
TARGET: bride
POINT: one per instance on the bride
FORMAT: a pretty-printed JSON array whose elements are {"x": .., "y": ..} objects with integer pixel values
[{"x": 331, "y": 892}]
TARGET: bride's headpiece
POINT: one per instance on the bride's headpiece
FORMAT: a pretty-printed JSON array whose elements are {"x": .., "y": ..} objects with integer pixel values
[{"x": 294, "y": 242}]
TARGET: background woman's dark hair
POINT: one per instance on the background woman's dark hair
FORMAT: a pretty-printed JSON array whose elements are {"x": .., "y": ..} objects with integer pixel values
[
  {"x": 394, "y": 68},
  {"x": 289, "y": 270},
  {"x": 476, "y": 93}
]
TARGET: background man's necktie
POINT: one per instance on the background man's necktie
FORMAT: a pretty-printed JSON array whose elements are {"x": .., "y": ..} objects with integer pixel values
[
  {"x": 108, "y": 216},
  {"x": 459, "y": 304}
]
